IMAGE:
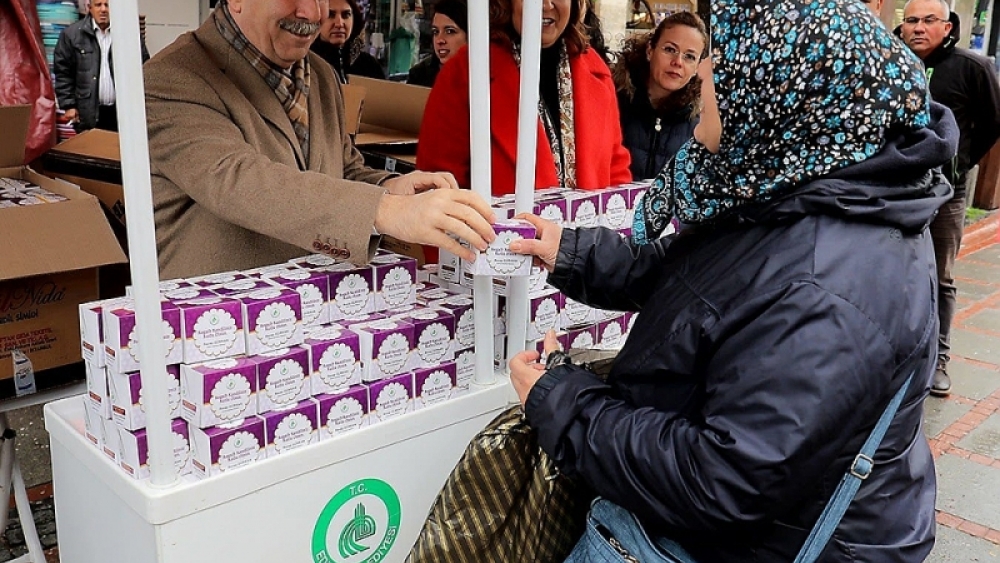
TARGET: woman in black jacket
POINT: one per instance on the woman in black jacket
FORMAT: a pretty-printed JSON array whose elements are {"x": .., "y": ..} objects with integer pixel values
[
  {"x": 449, "y": 29},
  {"x": 340, "y": 42},
  {"x": 775, "y": 329},
  {"x": 659, "y": 90}
]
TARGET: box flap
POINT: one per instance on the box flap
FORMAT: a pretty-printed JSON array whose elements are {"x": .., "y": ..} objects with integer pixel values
[
  {"x": 354, "y": 103},
  {"x": 56, "y": 237},
  {"x": 95, "y": 144},
  {"x": 14, "y": 121},
  {"x": 374, "y": 136},
  {"x": 392, "y": 105}
]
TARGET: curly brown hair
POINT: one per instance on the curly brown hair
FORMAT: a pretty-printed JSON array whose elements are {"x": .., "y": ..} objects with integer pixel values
[
  {"x": 502, "y": 25},
  {"x": 631, "y": 71}
]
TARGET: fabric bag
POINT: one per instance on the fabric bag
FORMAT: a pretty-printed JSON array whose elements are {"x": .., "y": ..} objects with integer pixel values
[{"x": 504, "y": 502}]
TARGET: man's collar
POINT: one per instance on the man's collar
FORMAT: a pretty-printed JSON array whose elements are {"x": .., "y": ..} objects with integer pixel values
[{"x": 95, "y": 27}]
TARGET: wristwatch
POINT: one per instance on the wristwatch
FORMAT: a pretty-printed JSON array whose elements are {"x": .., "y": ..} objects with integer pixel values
[{"x": 557, "y": 358}]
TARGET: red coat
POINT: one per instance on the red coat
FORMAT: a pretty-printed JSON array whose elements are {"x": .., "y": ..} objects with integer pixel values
[{"x": 601, "y": 160}]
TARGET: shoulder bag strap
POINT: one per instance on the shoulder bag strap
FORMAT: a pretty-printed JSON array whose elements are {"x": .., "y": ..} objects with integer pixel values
[{"x": 860, "y": 469}]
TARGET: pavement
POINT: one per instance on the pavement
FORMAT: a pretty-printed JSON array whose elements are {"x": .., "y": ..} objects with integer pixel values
[{"x": 963, "y": 429}]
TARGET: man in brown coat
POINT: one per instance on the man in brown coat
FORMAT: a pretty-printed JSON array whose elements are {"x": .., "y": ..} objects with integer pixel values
[{"x": 251, "y": 161}]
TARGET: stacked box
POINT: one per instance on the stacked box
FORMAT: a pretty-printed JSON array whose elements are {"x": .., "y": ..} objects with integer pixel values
[
  {"x": 134, "y": 458},
  {"x": 352, "y": 291},
  {"x": 343, "y": 412},
  {"x": 433, "y": 337},
  {"x": 335, "y": 360},
  {"x": 292, "y": 428},
  {"x": 386, "y": 348},
  {"x": 220, "y": 449},
  {"x": 282, "y": 378},
  {"x": 391, "y": 397},
  {"x": 212, "y": 329},
  {"x": 121, "y": 338},
  {"x": 98, "y": 395},
  {"x": 395, "y": 281},
  {"x": 433, "y": 385},
  {"x": 218, "y": 392},
  {"x": 313, "y": 288},
  {"x": 616, "y": 212},
  {"x": 272, "y": 319},
  {"x": 125, "y": 390},
  {"x": 583, "y": 207}
]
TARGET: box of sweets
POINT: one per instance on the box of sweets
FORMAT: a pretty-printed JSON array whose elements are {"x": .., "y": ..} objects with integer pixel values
[
  {"x": 219, "y": 449},
  {"x": 241, "y": 286},
  {"x": 218, "y": 392},
  {"x": 561, "y": 337},
  {"x": 212, "y": 329},
  {"x": 460, "y": 307},
  {"x": 313, "y": 261},
  {"x": 97, "y": 389},
  {"x": 391, "y": 397},
  {"x": 282, "y": 378},
  {"x": 575, "y": 313},
  {"x": 449, "y": 266},
  {"x": 581, "y": 337},
  {"x": 125, "y": 391},
  {"x": 121, "y": 339},
  {"x": 291, "y": 428},
  {"x": 272, "y": 319},
  {"x": 335, "y": 359},
  {"x": 216, "y": 279},
  {"x": 465, "y": 370},
  {"x": 544, "y": 310},
  {"x": 433, "y": 385},
  {"x": 395, "y": 281},
  {"x": 616, "y": 212},
  {"x": 93, "y": 424},
  {"x": 433, "y": 337},
  {"x": 583, "y": 207},
  {"x": 92, "y": 330},
  {"x": 188, "y": 293},
  {"x": 343, "y": 412},
  {"x": 610, "y": 333},
  {"x": 553, "y": 208},
  {"x": 313, "y": 288},
  {"x": 386, "y": 348},
  {"x": 497, "y": 259},
  {"x": 134, "y": 457},
  {"x": 112, "y": 439},
  {"x": 352, "y": 291}
]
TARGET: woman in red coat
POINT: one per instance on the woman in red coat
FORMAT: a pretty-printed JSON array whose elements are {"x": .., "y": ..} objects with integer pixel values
[{"x": 579, "y": 135}]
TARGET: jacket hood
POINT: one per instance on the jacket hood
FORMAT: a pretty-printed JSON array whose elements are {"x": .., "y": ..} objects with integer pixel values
[{"x": 901, "y": 186}]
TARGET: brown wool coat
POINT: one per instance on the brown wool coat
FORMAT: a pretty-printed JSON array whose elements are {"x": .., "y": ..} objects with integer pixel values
[{"x": 229, "y": 190}]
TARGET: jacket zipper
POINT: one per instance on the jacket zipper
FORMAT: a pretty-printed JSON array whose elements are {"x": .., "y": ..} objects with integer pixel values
[{"x": 650, "y": 159}]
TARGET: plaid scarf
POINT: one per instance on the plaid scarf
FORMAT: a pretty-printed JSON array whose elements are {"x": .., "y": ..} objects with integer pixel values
[{"x": 290, "y": 86}]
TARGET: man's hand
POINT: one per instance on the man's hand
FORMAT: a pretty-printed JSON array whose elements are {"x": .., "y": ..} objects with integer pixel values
[
  {"x": 545, "y": 248},
  {"x": 417, "y": 182},
  {"x": 71, "y": 115},
  {"x": 525, "y": 369},
  {"x": 431, "y": 217}
]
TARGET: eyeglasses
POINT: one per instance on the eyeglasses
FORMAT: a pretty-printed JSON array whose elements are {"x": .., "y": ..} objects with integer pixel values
[{"x": 928, "y": 20}]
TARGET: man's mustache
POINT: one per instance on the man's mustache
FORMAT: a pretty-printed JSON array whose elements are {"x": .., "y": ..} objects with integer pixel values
[{"x": 302, "y": 28}]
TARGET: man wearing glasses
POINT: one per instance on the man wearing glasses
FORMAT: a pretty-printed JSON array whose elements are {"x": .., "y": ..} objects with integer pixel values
[{"x": 967, "y": 84}]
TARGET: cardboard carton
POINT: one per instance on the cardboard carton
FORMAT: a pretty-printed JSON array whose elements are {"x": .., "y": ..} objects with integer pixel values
[
  {"x": 49, "y": 260},
  {"x": 91, "y": 160},
  {"x": 391, "y": 113}
]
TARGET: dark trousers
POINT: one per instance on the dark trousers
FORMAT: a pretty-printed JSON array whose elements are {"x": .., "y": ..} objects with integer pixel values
[
  {"x": 946, "y": 232},
  {"x": 107, "y": 118}
]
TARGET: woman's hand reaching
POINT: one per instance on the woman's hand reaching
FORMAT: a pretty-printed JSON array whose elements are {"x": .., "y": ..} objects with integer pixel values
[{"x": 545, "y": 248}]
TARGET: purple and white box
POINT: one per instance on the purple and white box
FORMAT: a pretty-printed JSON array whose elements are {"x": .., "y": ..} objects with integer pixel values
[
  {"x": 125, "y": 391},
  {"x": 291, "y": 428},
  {"x": 352, "y": 291},
  {"x": 497, "y": 259},
  {"x": 465, "y": 370},
  {"x": 611, "y": 333},
  {"x": 220, "y": 449},
  {"x": 544, "y": 311},
  {"x": 335, "y": 359},
  {"x": 272, "y": 319},
  {"x": 282, "y": 378},
  {"x": 386, "y": 347},
  {"x": 395, "y": 281},
  {"x": 575, "y": 313},
  {"x": 313, "y": 288},
  {"x": 561, "y": 337},
  {"x": 134, "y": 458},
  {"x": 581, "y": 337},
  {"x": 313, "y": 261},
  {"x": 98, "y": 394},
  {"x": 212, "y": 328},
  {"x": 343, "y": 412},
  {"x": 112, "y": 440},
  {"x": 584, "y": 208},
  {"x": 121, "y": 339},
  {"x": 92, "y": 329},
  {"x": 460, "y": 307},
  {"x": 391, "y": 398},
  {"x": 615, "y": 210},
  {"x": 218, "y": 392},
  {"x": 216, "y": 279},
  {"x": 93, "y": 425},
  {"x": 433, "y": 337},
  {"x": 554, "y": 208},
  {"x": 635, "y": 193},
  {"x": 241, "y": 286},
  {"x": 188, "y": 293},
  {"x": 433, "y": 385},
  {"x": 449, "y": 266}
]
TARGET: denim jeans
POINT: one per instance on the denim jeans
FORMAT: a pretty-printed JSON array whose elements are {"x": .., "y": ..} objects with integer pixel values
[
  {"x": 946, "y": 232},
  {"x": 613, "y": 535}
]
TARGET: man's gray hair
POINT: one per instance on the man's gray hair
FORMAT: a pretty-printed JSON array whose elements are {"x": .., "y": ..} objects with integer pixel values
[{"x": 943, "y": 3}]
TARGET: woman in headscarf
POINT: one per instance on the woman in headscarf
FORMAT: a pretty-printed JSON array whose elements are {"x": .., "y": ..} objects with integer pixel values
[
  {"x": 341, "y": 44},
  {"x": 579, "y": 138},
  {"x": 774, "y": 330},
  {"x": 450, "y": 32},
  {"x": 659, "y": 91}
]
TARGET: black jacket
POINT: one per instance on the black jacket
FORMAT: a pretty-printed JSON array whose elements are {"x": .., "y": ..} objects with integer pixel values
[
  {"x": 77, "y": 69},
  {"x": 425, "y": 72},
  {"x": 966, "y": 83},
  {"x": 765, "y": 350},
  {"x": 652, "y": 137},
  {"x": 360, "y": 63}
]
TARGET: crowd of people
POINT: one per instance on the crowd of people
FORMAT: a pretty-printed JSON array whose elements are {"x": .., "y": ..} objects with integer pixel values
[{"x": 815, "y": 160}]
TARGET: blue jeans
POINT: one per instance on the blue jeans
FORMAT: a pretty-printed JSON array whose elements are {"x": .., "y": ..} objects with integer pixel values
[{"x": 613, "y": 534}]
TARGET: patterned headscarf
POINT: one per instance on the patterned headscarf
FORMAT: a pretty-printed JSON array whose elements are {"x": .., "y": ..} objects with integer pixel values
[{"x": 804, "y": 88}]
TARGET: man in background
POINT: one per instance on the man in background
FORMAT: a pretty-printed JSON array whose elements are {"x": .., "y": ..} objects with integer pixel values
[
  {"x": 967, "y": 84},
  {"x": 84, "y": 72}
]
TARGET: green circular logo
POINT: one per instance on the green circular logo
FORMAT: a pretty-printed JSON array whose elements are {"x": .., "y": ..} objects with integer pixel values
[{"x": 360, "y": 524}]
